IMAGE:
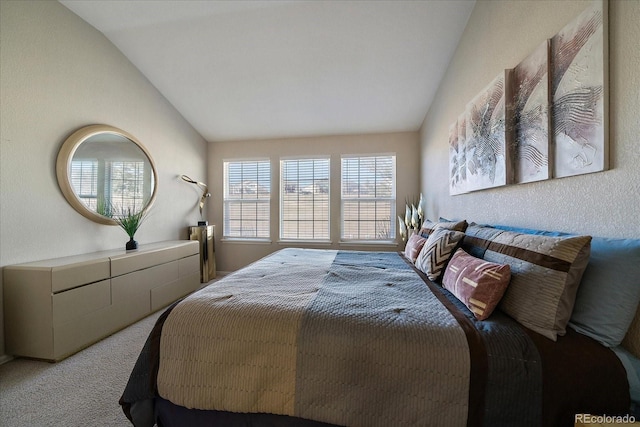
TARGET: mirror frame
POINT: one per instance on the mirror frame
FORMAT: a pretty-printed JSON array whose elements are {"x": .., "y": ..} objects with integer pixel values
[{"x": 63, "y": 165}]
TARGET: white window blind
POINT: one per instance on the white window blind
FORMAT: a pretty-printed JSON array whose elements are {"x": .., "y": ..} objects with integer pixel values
[
  {"x": 304, "y": 199},
  {"x": 368, "y": 197},
  {"x": 111, "y": 188},
  {"x": 247, "y": 195},
  {"x": 84, "y": 180},
  {"x": 127, "y": 179}
]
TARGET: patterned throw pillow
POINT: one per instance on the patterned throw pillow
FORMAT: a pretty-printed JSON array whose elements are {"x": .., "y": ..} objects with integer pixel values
[
  {"x": 414, "y": 246},
  {"x": 545, "y": 274},
  {"x": 429, "y": 226},
  {"x": 477, "y": 283},
  {"x": 436, "y": 252}
]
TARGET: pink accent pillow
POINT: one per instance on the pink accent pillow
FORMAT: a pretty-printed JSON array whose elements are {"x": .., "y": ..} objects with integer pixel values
[
  {"x": 479, "y": 284},
  {"x": 414, "y": 246}
]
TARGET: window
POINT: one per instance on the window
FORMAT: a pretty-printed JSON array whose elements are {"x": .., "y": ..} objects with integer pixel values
[
  {"x": 247, "y": 195},
  {"x": 368, "y": 197},
  {"x": 111, "y": 187},
  {"x": 127, "y": 179},
  {"x": 304, "y": 199},
  {"x": 84, "y": 180}
]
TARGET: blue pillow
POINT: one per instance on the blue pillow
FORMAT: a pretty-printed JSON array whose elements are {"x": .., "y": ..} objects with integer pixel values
[
  {"x": 632, "y": 366},
  {"x": 530, "y": 231},
  {"x": 609, "y": 292}
]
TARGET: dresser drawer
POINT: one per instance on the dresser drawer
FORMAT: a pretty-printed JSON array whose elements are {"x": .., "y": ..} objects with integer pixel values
[
  {"x": 128, "y": 285},
  {"x": 67, "y": 277},
  {"x": 189, "y": 265},
  {"x": 162, "y": 296},
  {"x": 153, "y": 255},
  {"x": 76, "y": 303},
  {"x": 56, "y": 276}
]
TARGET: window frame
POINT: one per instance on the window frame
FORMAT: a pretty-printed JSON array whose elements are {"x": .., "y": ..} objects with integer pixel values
[{"x": 391, "y": 238}]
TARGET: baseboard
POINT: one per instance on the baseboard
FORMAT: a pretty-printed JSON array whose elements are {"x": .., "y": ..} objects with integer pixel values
[{"x": 5, "y": 358}]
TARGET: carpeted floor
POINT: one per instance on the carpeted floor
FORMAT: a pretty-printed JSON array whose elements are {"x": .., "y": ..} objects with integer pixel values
[{"x": 80, "y": 391}]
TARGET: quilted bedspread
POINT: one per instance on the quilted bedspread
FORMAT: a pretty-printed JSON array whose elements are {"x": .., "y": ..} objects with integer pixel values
[
  {"x": 344, "y": 342},
  {"x": 360, "y": 339}
]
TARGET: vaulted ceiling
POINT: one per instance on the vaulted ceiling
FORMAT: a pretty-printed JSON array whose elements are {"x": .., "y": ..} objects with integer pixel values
[{"x": 240, "y": 70}]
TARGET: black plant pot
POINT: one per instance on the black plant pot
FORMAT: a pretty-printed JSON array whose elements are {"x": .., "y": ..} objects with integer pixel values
[{"x": 132, "y": 244}]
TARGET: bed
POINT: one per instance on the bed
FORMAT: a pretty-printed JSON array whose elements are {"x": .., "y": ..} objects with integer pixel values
[{"x": 307, "y": 337}]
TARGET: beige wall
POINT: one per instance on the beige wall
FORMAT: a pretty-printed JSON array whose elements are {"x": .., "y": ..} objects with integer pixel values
[
  {"x": 233, "y": 255},
  {"x": 499, "y": 35},
  {"x": 58, "y": 74}
]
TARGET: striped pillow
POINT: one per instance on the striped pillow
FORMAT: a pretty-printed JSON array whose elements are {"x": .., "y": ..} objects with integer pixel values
[
  {"x": 479, "y": 284},
  {"x": 428, "y": 226},
  {"x": 414, "y": 246},
  {"x": 436, "y": 252},
  {"x": 545, "y": 274}
]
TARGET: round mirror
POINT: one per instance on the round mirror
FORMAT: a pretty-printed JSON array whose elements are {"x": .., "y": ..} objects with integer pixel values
[{"x": 105, "y": 173}]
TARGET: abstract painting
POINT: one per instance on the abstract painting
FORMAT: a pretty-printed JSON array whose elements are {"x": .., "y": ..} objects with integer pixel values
[
  {"x": 485, "y": 152},
  {"x": 545, "y": 118},
  {"x": 528, "y": 95},
  {"x": 578, "y": 86}
]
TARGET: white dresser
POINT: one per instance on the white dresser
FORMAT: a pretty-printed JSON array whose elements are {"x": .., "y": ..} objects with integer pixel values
[{"x": 54, "y": 308}]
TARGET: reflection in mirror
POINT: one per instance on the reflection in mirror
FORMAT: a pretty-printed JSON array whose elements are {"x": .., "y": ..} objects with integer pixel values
[
  {"x": 109, "y": 173},
  {"x": 105, "y": 172}
]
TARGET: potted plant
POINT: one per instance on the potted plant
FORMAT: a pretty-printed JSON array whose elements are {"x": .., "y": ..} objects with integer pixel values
[{"x": 130, "y": 221}]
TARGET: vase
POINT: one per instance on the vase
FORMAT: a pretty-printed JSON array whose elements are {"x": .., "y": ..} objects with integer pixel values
[{"x": 131, "y": 244}]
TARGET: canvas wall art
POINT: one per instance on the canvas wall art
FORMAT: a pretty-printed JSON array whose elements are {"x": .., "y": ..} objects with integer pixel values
[
  {"x": 554, "y": 122},
  {"x": 485, "y": 143},
  {"x": 579, "y": 89},
  {"x": 529, "y": 99}
]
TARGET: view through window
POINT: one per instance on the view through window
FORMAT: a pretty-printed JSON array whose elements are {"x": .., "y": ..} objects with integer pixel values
[
  {"x": 109, "y": 187},
  {"x": 368, "y": 197},
  {"x": 247, "y": 196},
  {"x": 304, "y": 199}
]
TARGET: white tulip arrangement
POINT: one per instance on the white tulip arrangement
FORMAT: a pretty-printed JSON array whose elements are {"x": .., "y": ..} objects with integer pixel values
[{"x": 413, "y": 219}]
